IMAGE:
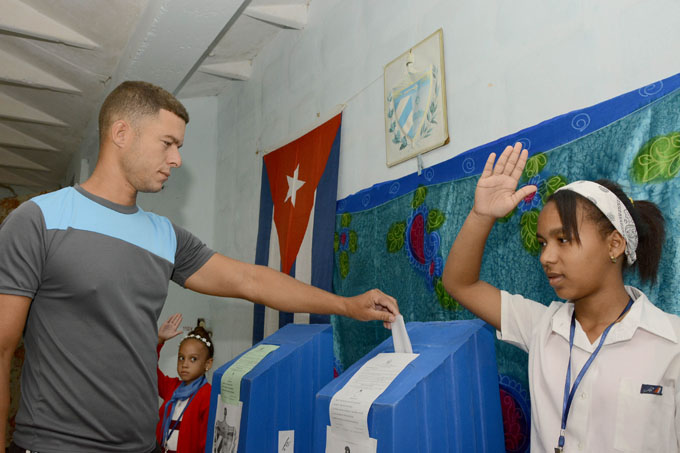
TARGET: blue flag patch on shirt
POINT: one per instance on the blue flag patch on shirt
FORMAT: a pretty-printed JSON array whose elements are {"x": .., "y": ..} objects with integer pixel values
[{"x": 653, "y": 389}]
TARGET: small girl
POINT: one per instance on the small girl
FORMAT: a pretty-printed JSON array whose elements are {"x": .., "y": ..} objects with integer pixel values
[
  {"x": 184, "y": 414},
  {"x": 604, "y": 366}
]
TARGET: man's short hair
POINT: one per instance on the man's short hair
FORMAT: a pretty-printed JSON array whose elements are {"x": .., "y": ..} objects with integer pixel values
[{"x": 133, "y": 100}]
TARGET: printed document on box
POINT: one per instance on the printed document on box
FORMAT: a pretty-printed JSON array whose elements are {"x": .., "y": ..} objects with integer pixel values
[{"x": 350, "y": 405}]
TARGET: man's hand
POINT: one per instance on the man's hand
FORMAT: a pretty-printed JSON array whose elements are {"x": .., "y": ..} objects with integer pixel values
[
  {"x": 170, "y": 328},
  {"x": 373, "y": 305}
]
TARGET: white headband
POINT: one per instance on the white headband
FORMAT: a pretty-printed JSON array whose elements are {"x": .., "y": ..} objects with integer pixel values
[
  {"x": 613, "y": 208},
  {"x": 198, "y": 337}
]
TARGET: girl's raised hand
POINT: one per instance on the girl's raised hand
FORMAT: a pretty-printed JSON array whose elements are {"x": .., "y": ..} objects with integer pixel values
[
  {"x": 169, "y": 329},
  {"x": 495, "y": 195}
]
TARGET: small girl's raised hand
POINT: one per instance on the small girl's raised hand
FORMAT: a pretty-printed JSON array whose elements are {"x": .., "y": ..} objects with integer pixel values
[
  {"x": 170, "y": 328},
  {"x": 495, "y": 195}
]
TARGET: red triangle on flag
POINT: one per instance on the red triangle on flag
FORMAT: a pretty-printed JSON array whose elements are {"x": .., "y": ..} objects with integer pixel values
[{"x": 294, "y": 172}]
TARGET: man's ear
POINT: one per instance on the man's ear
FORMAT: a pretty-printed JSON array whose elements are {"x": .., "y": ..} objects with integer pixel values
[
  {"x": 121, "y": 133},
  {"x": 617, "y": 244}
]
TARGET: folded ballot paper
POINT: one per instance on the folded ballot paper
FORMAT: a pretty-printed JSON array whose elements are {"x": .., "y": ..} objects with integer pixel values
[
  {"x": 349, "y": 406},
  {"x": 402, "y": 343}
]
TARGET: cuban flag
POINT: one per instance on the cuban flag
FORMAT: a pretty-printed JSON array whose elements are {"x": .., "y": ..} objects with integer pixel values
[{"x": 297, "y": 218}]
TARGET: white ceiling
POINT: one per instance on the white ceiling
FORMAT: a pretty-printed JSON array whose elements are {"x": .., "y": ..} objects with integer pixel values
[{"x": 60, "y": 58}]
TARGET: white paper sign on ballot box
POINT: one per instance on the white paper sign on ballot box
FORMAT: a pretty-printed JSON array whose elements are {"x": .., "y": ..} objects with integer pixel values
[{"x": 349, "y": 407}]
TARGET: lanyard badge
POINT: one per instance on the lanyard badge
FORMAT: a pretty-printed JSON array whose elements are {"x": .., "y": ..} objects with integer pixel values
[{"x": 569, "y": 394}]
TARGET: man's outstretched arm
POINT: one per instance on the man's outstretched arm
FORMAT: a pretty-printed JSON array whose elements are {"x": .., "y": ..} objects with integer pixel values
[{"x": 226, "y": 277}]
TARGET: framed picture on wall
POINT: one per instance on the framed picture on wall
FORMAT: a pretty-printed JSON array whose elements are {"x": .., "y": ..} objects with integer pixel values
[{"x": 415, "y": 101}]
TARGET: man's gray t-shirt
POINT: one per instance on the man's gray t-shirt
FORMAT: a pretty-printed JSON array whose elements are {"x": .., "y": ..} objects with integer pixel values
[{"x": 98, "y": 274}]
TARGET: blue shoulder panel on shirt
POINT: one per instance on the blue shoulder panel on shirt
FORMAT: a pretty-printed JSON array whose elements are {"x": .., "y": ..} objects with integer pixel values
[{"x": 66, "y": 208}]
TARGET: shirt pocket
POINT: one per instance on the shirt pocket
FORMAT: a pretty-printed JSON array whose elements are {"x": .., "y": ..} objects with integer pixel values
[{"x": 644, "y": 422}]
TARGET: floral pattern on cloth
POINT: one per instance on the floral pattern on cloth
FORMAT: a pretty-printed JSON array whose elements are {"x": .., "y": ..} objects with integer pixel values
[
  {"x": 419, "y": 236},
  {"x": 516, "y": 415},
  {"x": 657, "y": 160},
  {"x": 345, "y": 243}
]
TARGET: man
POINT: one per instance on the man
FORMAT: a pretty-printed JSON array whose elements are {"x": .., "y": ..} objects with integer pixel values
[{"x": 94, "y": 268}]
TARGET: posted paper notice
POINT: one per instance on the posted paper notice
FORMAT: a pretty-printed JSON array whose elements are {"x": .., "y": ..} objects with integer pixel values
[
  {"x": 350, "y": 405},
  {"x": 230, "y": 385}
]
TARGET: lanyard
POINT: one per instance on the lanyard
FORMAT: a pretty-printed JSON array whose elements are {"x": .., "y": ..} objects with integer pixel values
[
  {"x": 166, "y": 436},
  {"x": 569, "y": 395}
]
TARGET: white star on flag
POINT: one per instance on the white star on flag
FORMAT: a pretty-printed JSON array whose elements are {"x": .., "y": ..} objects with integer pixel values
[{"x": 294, "y": 185}]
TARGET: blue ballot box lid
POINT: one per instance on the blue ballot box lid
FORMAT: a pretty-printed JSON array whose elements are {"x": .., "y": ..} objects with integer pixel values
[
  {"x": 278, "y": 393},
  {"x": 447, "y": 399}
]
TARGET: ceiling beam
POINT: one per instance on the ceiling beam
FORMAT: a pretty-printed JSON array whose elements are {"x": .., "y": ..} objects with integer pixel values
[
  {"x": 12, "y": 137},
  {"x": 11, "y": 160},
  {"x": 235, "y": 70},
  {"x": 10, "y": 178},
  {"x": 20, "y": 72},
  {"x": 21, "y": 19},
  {"x": 287, "y": 16},
  {"x": 175, "y": 41},
  {"x": 171, "y": 40},
  {"x": 13, "y": 109}
]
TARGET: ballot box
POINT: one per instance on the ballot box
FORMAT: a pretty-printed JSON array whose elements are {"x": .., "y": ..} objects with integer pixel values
[
  {"x": 444, "y": 400},
  {"x": 263, "y": 400}
]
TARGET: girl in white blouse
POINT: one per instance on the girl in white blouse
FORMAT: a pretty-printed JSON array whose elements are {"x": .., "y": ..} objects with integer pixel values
[{"x": 604, "y": 366}]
